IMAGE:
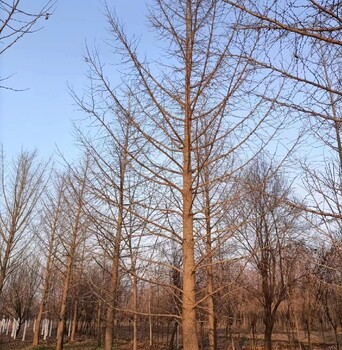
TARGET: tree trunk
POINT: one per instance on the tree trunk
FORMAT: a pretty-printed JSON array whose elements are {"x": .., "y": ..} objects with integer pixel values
[
  {"x": 268, "y": 334},
  {"x": 109, "y": 330},
  {"x": 70, "y": 264},
  {"x": 209, "y": 270},
  {"x": 308, "y": 332},
  {"x": 135, "y": 316},
  {"x": 173, "y": 336},
  {"x": 74, "y": 323},
  {"x": 150, "y": 318},
  {"x": 62, "y": 313},
  {"x": 336, "y": 338},
  {"x": 99, "y": 324},
  {"x": 189, "y": 324},
  {"x": 47, "y": 270}
]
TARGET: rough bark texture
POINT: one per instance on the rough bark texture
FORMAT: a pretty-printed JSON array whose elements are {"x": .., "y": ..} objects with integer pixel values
[{"x": 189, "y": 323}]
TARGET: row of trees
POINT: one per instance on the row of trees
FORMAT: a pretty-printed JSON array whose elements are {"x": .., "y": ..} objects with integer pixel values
[
  {"x": 72, "y": 263},
  {"x": 186, "y": 186}
]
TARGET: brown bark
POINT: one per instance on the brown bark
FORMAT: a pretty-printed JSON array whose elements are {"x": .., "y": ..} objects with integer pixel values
[
  {"x": 74, "y": 323},
  {"x": 189, "y": 323},
  {"x": 209, "y": 269},
  {"x": 70, "y": 263},
  {"x": 99, "y": 324}
]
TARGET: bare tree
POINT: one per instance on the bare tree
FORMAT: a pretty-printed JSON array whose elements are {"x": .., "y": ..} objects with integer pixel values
[
  {"x": 20, "y": 291},
  {"x": 268, "y": 237},
  {"x": 75, "y": 228},
  {"x": 201, "y": 90},
  {"x": 50, "y": 225},
  {"x": 21, "y": 188}
]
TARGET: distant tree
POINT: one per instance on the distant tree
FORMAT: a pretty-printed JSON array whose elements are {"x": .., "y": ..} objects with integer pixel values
[
  {"x": 49, "y": 231},
  {"x": 268, "y": 237},
  {"x": 21, "y": 188},
  {"x": 21, "y": 290},
  {"x": 73, "y": 234},
  {"x": 329, "y": 282}
]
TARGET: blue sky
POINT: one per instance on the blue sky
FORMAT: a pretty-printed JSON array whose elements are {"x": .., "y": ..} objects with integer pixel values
[{"x": 44, "y": 63}]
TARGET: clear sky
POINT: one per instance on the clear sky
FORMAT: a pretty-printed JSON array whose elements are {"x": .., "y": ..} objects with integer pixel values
[{"x": 44, "y": 63}]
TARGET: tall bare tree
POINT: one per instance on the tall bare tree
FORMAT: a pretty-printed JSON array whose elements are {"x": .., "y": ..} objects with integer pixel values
[
  {"x": 199, "y": 91},
  {"x": 22, "y": 185},
  {"x": 110, "y": 182},
  {"x": 50, "y": 225},
  {"x": 75, "y": 226}
]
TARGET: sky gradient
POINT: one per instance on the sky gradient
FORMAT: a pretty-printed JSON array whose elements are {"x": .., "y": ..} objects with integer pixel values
[{"x": 45, "y": 63}]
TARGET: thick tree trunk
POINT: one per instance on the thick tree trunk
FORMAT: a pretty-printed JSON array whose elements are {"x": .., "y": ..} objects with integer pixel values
[
  {"x": 268, "y": 337},
  {"x": 269, "y": 323},
  {"x": 189, "y": 325}
]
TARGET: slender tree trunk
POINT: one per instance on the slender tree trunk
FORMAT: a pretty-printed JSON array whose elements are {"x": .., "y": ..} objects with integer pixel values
[
  {"x": 35, "y": 341},
  {"x": 135, "y": 316},
  {"x": 209, "y": 270},
  {"x": 6, "y": 258},
  {"x": 74, "y": 323},
  {"x": 99, "y": 324},
  {"x": 150, "y": 317},
  {"x": 62, "y": 312},
  {"x": 47, "y": 271},
  {"x": 70, "y": 265},
  {"x": 189, "y": 324},
  {"x": 173, "y": 336},
  {"x": 111, "y": 310},
  {"x": 109, "y": 330},
  {"x": 308, "y": 332}
]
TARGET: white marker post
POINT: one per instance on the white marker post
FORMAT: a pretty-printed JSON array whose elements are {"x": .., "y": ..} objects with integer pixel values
[{"x": 24, "y": 333}]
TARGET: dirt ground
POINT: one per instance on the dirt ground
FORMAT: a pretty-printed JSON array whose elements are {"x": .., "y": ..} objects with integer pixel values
[{"x": 241, "y": 342}]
